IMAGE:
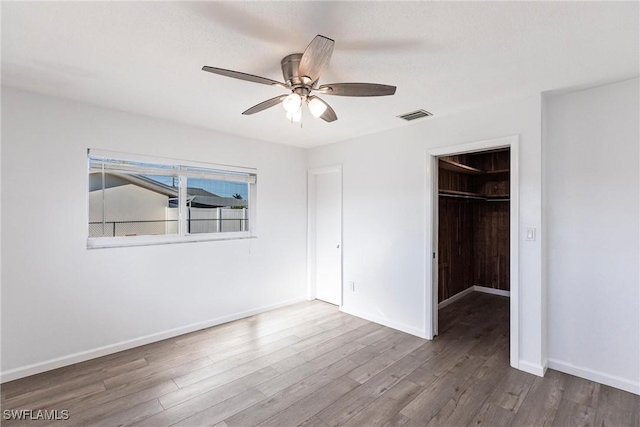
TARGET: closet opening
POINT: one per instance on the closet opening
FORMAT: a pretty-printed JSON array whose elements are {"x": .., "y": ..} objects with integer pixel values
[{"x": 473, "y": 249}]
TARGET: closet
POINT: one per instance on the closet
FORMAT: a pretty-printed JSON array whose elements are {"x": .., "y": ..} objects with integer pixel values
[{"x": 473, "y": 230}]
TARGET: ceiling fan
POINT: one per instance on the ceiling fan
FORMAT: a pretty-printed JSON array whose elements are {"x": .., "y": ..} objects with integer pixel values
[{"x": 301, "y": 73}]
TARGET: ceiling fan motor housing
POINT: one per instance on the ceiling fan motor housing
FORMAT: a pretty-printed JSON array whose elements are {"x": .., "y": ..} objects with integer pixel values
[{"x": 290, "y": 65}]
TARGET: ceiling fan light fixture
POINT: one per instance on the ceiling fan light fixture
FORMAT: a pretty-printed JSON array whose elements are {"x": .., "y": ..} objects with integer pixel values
[
  {"x": 292, "y": 103},
  {"x": 296, "y": 116},
  {"x": 317, "y": 107},
  {"x": 301, "y": 72}
]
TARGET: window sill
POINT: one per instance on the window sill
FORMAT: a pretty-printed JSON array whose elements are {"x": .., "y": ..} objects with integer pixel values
[{"x": 121, "y": 242}]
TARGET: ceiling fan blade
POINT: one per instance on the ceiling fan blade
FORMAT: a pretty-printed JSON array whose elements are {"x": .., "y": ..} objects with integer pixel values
[
  {"x": 265, "y": 104},
  {"x": 316, "y": 57},
  {"x": 357, "y": 89},
  {"x": 244, "y": 76}
]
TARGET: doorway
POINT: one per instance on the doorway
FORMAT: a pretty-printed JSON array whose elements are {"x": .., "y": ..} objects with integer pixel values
[
  {"x": 325, "y": 234},
  {"x": 475, "y": 223}
]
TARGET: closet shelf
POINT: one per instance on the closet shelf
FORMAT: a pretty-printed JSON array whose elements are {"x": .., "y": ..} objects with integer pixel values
[
  {"x": 460, "y": 168},
  {"x": 460, "y": 193},
  {"x": 466, "y": 194}
]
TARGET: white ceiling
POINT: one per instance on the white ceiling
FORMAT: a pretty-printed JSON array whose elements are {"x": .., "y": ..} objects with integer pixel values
[{"x": 146, "y": 57}]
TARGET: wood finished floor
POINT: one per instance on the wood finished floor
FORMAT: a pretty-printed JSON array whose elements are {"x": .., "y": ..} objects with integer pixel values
[{"x": 311, "y": 365}]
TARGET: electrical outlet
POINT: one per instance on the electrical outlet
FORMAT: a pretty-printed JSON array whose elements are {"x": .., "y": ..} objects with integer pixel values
[{"x": 352, "y": 286}]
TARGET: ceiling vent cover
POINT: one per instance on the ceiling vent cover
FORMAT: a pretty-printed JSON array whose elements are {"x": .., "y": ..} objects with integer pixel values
[{"x": 414, "y": 115}]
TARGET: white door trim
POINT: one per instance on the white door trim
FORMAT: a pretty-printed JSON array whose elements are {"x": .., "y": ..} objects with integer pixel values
[
  {"x": 431, "y": 285},
  {"x": 311, "y": 230}
]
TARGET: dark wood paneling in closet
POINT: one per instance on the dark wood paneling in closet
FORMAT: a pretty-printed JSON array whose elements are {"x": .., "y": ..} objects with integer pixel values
[
  {"x": 496, "y": 181},
  {"x": 448, "y": 180},
  {"x": 455, "y": 247},
  {"x": 473, "y": 244},
  {"x": 491, "y": 241},
  {"x": 490, "y": 161}
]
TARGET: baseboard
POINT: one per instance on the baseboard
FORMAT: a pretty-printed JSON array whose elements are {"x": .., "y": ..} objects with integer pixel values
[
  {"x": 492, "y": 291},
  {"x": 59, "y": 362},
  {"x": 532, "y": 368},
  {"x": 597, "y": 376},
  {"x": 475, "y": 288},
  {"x": 455, "y": 298},
  {"x": 385, "y": 322}
]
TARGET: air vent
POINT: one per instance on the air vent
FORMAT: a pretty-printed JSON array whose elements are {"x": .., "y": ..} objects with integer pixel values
[{"x": 414, "y": 115}]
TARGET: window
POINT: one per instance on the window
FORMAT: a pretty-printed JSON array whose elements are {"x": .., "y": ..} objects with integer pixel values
[{"x": 138, "y": 201}]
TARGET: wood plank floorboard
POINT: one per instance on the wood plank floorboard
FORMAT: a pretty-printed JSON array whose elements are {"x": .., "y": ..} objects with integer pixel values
[{"x": 311, "y": 365}]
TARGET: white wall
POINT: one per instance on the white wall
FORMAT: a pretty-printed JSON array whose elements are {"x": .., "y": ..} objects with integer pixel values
[
  {"x": 592, "y": 196},
  {"x": 54, "y": 304},
  {"x": 385, "y": 209}
]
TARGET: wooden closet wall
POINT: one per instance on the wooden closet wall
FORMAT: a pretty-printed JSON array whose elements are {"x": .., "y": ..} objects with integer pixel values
[{"x": 473, "y": 241}]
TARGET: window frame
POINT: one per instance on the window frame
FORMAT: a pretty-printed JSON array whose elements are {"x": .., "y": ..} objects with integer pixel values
[{"x": 182, "y": 236}]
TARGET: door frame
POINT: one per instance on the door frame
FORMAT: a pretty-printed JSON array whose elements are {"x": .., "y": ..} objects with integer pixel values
[
  {"x": 431, "y": 288},
  {"x": 311, "y": 230}
]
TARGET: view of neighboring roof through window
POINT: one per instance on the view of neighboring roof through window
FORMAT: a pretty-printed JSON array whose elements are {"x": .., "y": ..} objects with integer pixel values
[{"x": 134, "y": 202}]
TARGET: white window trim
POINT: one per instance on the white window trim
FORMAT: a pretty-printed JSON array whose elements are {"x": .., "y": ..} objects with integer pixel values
[
  {"x": 118, "y": 242},
  {"x": 168, "y": 161},
  {"x": 182, "y": 236}
]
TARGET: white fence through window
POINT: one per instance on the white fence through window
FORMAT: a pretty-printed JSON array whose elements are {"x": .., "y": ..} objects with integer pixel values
[
  {"x": 216, "y": 220},
  {"x": 199, "y": 220}
]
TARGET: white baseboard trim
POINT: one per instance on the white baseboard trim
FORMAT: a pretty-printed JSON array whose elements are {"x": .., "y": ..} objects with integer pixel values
[
  {"x": 597, "y": 376},
  {"x": 492, "y": 291},
  {"x": 420, "y": 333},
  {"x": 532, "y": 368},
  {"x": 455, "y": 298},
  {"x": 59, "y": 362},
  {"x": 473, "y": 288}
]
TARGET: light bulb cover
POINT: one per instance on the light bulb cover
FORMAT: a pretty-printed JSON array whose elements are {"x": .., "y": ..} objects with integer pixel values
[
  {"x": 292, "y": 103},
  {"x": 317, "y": 107},
  {"x": 296, "y": 116}
]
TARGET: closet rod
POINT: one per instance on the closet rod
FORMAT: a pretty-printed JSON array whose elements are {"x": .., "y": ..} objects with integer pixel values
[{"x": 458, "y": 196}]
